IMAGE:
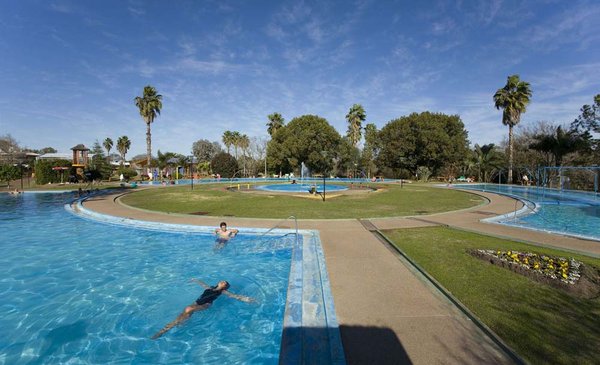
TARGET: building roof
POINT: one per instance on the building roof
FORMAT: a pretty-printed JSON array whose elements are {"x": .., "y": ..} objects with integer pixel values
[{"x": 80, "y": 147}]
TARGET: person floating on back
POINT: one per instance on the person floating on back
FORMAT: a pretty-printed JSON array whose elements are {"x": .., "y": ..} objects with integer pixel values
[{"x": 204, "y": 301}]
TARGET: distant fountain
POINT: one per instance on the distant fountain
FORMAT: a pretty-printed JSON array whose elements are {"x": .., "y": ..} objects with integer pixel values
[{"x": 304, "y": 173}]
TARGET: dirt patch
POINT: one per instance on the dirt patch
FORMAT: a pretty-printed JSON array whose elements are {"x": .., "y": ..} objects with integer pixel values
[{"x": 588, "y": 285}]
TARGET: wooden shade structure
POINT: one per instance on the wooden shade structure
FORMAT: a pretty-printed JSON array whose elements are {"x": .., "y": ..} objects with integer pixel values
[{"x": 80, "y": 155}]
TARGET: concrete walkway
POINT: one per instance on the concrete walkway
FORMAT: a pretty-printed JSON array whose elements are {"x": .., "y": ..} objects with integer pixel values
[{"x": 387, "y": 313}]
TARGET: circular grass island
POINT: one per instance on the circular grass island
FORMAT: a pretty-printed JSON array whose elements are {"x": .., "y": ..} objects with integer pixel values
[{"x": 244, "y": 200}]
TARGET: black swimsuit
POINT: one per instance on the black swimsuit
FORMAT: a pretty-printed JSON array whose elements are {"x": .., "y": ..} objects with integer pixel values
[{"x": 208, "y": 296}]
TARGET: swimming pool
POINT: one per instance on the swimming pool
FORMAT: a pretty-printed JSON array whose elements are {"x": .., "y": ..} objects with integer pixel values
[
  {"x": 550, "y": 210},
  {"x": 301, "y": 188},
  {"x": 75, "y": 290}
]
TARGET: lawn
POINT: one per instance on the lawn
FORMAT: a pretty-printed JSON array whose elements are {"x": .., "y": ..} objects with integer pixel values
[
  {"x": 543, "y": 324},
  {"x": 389, "y": 201}
]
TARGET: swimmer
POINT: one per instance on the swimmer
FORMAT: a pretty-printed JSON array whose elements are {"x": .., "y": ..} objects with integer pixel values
[
  {"x": 224, "y": 234},
  {"x": 204, "y": 301}
]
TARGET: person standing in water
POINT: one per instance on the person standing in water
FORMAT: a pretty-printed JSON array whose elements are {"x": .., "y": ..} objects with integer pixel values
[
  {"x": 225, "y": 234},
  {"x": 204, "y": 301}
]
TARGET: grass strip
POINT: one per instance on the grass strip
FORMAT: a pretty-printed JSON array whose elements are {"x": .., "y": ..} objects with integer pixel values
[{"x": 543, "y": 324}]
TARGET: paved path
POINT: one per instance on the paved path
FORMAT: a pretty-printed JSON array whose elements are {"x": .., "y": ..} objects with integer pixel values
[{"x": 387, "y": 313}]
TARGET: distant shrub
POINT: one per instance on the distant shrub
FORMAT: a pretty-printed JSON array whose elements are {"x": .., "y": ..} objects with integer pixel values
[
  {"x": 224, "y": 164},
  {"x": 44, "y": 173},
  {"x": 128, "y": 173}
]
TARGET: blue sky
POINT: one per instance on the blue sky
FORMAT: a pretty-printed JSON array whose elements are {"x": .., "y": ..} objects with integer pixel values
[{"x": 69, "y": 70}]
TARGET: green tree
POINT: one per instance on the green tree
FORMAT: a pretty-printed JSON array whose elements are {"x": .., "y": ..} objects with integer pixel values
[
  {"x": 371, "y": 148},
  {"x": 560, "y": 143},
  {"x": 149, "y": 104},
  {"x": 123, "y": 145},
  {"x": 276, "y": 121},
  {"x": 348, "y": 157},
  {"x": 244, "y": 144},
  {"x": 227, "y": 139},
  {"x": 355, "y": 117},
  {"x": 204, "y": 150},
  {"x": 108, "y": 145},
  {"x": 309, "y": 139},
  {"x": 99, "y": 167},
  {"x": 513, "y": 99},
  {"x": 224, "y": 164},
  {"x": 8, "y": 173},
  {"x": 45, "y": 174},
  {"x": 235, "y": 141},
  {"x": 486, "y": 158},
  {"x": 427, "y": 139}
]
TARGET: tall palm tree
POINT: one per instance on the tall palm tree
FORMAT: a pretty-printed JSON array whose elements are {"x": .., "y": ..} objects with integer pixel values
[
  {"x": 235, "y": 141},
  {"x": 150, "y": 105},
  {"x": 276, "y": 121},
  {"x": 227, "y": 139},
  {"x": 123, "y": 145},
  {"x": 513, "y": 99},
  {"x": 244, "y": 143},
  {"x": 108, "y": 144},
  {"x": 355, "y": 117}
]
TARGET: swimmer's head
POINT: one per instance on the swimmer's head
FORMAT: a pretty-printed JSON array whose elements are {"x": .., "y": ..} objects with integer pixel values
[
  {"x": 223, "y": 225},
  {"x": 223, "y": 285}
]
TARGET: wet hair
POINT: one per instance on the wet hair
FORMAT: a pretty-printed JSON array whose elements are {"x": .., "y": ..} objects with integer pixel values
[
  {"x": 226, "y": 284},
  {"x": 223, "y": 224}
]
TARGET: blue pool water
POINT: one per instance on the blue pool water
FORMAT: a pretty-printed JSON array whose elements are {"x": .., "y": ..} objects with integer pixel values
[
  {"x": 301, "y": 188},
  {"x": 77, "y": 291},
  {"x": 565, "y": 212}
]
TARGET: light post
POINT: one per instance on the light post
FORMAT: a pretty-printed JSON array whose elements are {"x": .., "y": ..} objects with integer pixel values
[
  {"x": 355, "y": 169},
  {"x": 324, "y": 153},
  {"x": 192, "y": 170}
]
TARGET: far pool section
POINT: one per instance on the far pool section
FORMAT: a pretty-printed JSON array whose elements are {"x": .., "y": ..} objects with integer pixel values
[
  {"x": 301, "y": 187},
  {"x": 571, "y": 213}
]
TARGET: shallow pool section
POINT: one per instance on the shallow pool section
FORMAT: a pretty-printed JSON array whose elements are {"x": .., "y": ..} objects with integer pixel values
[
  {"x": 75, "y": 290},
  {"x": 301, "y": 188},
  {"x": 549, "y": 210}
]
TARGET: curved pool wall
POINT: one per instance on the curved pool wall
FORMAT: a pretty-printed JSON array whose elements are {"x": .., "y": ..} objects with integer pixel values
[
  {"x": 309, "y": 303},
  {"x": 565, "y": 212},
  {"x": 308, "y": 300}
]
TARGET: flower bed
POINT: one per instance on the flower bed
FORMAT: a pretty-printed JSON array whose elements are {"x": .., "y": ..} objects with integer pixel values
[{"x": 567, "y": 274}]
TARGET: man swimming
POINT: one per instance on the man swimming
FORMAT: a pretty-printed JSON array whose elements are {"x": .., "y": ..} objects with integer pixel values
[
  {"x": 225, "y": 234},
  {"x": 210, "y": 294}
]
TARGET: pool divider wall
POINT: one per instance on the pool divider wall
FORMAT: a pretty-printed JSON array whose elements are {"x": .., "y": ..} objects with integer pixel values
[{"x": 310, "y": 329}]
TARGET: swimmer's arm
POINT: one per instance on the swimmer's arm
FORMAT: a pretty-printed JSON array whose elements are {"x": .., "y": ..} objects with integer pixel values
[
  {"x": 234, "y": 232},
  {"x": 241, "y": 298},
  {"x": 201, "y": 283}
]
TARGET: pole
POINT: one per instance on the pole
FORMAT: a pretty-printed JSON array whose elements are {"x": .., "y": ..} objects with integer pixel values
[
  {"x": 323, "y": 187},
  {"x": 192, "y": 171},
  {"x": 21, "y": 177}
]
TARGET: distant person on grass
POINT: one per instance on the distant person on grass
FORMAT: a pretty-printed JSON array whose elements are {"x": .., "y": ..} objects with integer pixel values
[{"x": 204, "y": 301}]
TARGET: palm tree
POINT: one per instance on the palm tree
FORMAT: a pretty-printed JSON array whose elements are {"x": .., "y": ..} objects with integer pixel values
[
  {"x": 123, "y": 145},
  {"x": 235, "y": 141},
  {"x": 355, "y": 117},
  {"x": 513, "y": 99},
  {"x": 275, "y": 122},
  {"x": 486, "y": 158},
  {"x": 227, "y": 139},
  {"x": 150, "y": 105},
  {"x": 108, "y": 144},
  {"x": 560, "y": 143},
  {"x": 244, "y": 143}
]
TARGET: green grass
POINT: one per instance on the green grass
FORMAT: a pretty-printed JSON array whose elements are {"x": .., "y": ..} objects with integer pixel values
[
  {"x": 389, "y": 201},
  {"x": 543, "y": 324}
]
